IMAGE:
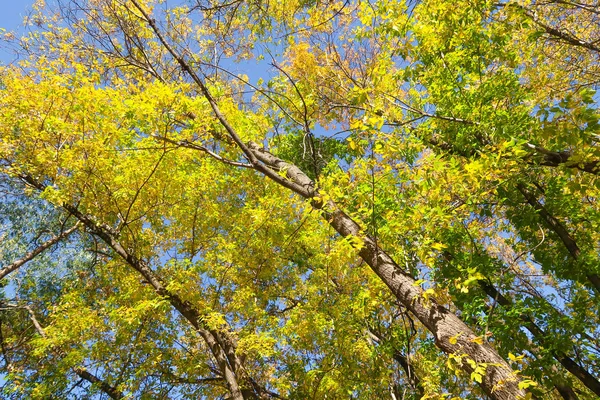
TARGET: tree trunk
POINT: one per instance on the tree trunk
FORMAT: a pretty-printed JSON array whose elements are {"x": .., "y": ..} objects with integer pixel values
[
  {"x": 499, "y": 381},
  {"x": 557, "y": 227},
  {"x": 451, "y": 334},
  {"x": 83, "y": 373},
  {"x": 567, "y": 362},
  {"x": 221, "y": 347}
]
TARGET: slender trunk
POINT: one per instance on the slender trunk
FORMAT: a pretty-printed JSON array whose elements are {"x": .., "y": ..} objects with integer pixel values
[
  {"x": 105, "y": 387},
  {"x": 403, "y": 361},
  {"x": 568, "y": 363},
  {"x": 565, "y": 391},
  {"x": 110, "y": 390},
  {"x": 552, "y": 222},
  {"x": 216, "y": 344},
  {"x": 562, "y": 35},
  {"x": 557, "y": 227},
  {"x": 410, "y": 372},
  {"x": 221, "y": 348}
]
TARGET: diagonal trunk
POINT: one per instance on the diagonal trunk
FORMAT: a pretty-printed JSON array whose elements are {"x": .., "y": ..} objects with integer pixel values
[
  {"x": 557, "y": 227},
  {"x": 35, "y": 252},
  {"x": 112, "y": 392},
  {"x": 451, "y": 334},
  {"x": 567, "y": 362},
  {"x": 221, "y": 347},
  {"x": 83, "y": 373},
  {"x": 403, "y": 361},
  {"x": 499, "y": 381}
]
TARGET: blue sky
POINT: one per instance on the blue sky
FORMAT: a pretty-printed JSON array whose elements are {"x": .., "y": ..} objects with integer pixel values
[{"x": 12, "y": 13}]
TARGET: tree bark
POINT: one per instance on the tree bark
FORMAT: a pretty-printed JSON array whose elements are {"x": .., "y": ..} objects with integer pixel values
[
  {"x": 499, "y": 381},
  {"x": 105, "y": 387},
  {"x": 563, "y": 36},
  {"x": 451, "y": 334},
  {"x": 218, "y": 345}
]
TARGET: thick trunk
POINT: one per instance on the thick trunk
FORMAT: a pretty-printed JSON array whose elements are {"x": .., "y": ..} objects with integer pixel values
[
  {"x": 499, "y": 381},
  {"x": 566, "y": 392},
  {"x": 451, "y": 334}
]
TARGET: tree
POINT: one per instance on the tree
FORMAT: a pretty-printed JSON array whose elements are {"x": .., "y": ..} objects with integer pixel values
[{"x": 397, "y": 199}]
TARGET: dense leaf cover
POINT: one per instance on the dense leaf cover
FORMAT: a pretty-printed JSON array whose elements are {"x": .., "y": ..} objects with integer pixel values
[{"x": 301, "y": 200}]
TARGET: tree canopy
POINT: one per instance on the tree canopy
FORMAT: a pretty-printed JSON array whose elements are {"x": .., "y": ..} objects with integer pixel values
[{"x": 301, "y": 200}]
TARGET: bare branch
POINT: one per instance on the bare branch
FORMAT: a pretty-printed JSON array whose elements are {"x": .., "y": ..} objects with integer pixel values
[
  {"x": 32, "y": 254},
  {"x": 191, "y": 145}
]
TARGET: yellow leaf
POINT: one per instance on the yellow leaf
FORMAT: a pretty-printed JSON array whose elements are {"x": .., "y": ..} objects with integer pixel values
[
  {"x": 438, "y": 246},
  {"x": 427, "y": 293},
  {"x": 352, "y": 144},
  {"x": 454, "y": 339},
  {"x": 525, "y": 383},
  {"x": 478, "y": 340},
  {"x": 512, "y": 357}
]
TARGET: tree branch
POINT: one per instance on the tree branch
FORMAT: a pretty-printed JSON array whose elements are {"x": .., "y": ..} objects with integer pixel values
[
  {"x": 437, "y": 319},
  {"x": 32, "y": 254},
  {"x": 557, "y": 227},
  {"x": 111, "y": 391},
  {"x": 567, "y": 362}
]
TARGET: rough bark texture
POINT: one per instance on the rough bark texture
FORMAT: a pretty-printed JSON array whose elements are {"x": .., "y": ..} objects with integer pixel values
[{"x": 499, "y": 381}]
